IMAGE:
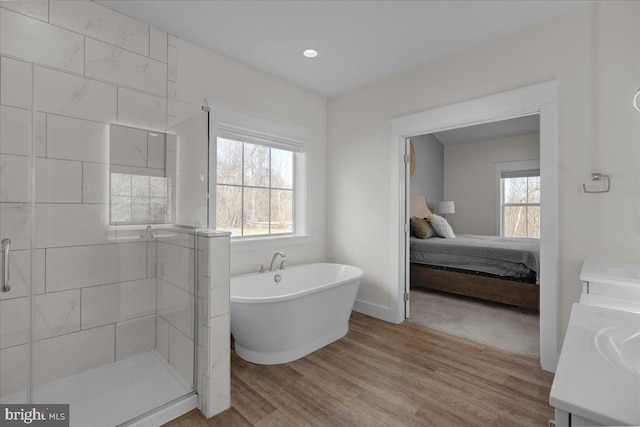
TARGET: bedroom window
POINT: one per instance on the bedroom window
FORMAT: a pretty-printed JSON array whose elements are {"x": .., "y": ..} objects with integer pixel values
[{"x": 520, "y": 203}]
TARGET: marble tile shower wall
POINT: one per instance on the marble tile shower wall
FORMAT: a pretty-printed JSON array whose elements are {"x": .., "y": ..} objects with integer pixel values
[
  {"x": 175, "y": 329},
  {"x": 98, "y": 299}
]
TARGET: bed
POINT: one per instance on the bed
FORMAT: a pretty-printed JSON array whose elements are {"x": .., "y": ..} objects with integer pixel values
[{"x": 492, "y": 268}]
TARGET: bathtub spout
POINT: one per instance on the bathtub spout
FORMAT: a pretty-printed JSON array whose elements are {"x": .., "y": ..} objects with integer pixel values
[{"x": 273, "y": 260}]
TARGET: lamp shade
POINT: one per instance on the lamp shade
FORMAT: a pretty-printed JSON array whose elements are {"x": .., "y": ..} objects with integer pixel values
[{"x": 446, "y": 207}]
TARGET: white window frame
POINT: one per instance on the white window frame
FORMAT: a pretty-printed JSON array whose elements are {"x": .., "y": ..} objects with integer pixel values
[
  {"x": 502, "y": 167},
  {"x": 234, "y": 123}
]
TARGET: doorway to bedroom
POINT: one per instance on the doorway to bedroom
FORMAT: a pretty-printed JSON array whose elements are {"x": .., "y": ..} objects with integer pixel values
[
  {"x": 474, "y": 216},
  {"x": 537, "y": 99}
]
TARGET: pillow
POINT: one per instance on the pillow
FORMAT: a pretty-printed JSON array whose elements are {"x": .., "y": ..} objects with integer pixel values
[
  {"x": 421, "y": 228},
  {"x": 441, "y": 226}
]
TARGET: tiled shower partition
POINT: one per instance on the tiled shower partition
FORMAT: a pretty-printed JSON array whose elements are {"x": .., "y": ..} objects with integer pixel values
[{"x": 102, "y": 294}]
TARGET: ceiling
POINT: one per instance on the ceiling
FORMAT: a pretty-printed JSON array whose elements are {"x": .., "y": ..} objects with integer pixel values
[
  {"x": 358, "y": 42},
  {"x": 494, "y": 130}
]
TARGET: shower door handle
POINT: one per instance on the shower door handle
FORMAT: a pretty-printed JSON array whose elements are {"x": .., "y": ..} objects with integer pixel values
[{"x": 6, "y": 269}]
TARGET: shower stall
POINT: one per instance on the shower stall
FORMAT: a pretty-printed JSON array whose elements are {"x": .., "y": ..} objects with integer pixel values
[{"x": 100, "y": 223}]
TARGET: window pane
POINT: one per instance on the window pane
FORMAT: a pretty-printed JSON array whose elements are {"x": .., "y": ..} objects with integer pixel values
[
  {"x": 256, "y": 165},
  {"x": 533, "y": 184},
  {"x": 281, "y": 169},
  {"x": 158, "y": 210},
  {"x": 533, "y": 221},
  {"x": 158, "y": 186},
  {"x": 120, "y": 209},
  {"x": 229, "y": 209},
  {"x": 256, "y": 211},
  {"x": 281, "y": 211},
  {"x": 140, "y": 209},
  {"x": 140, "y": 186},
  {"x": 120, "y": 184},
  {"x": 515, "y": 190},
  {"x": 514, "y": 221},
  {"x": 229, "y": 167}
]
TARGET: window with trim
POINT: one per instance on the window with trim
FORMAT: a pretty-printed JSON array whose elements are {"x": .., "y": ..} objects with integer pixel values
[
  {"x": 254, "y": 189},
  {"x": 520, "y": 203},
  {"x": 260, "y": 181}
]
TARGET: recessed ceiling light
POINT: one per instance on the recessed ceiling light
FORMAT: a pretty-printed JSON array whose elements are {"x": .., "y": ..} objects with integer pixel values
[{"x": 310, "y": 53}]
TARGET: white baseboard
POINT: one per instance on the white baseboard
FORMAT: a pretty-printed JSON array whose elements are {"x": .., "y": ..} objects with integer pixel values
[{"x": 375, "y": 310}]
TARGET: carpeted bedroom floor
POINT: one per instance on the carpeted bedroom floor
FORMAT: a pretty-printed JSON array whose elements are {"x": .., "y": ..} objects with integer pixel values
[{"x": 512, "y": 329}]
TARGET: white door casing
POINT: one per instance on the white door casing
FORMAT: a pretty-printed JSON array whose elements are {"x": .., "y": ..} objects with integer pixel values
[{"x": 539, "y": 99}]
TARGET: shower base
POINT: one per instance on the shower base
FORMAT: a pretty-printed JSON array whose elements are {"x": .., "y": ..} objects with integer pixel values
[{"x": 117, "y": 393}]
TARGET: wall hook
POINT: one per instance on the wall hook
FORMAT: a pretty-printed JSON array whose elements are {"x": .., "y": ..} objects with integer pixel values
[{"x": 598, "y": 177}]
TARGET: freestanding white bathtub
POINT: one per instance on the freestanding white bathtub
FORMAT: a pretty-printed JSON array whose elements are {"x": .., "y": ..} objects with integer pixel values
[{"x": 278, "y": 317}]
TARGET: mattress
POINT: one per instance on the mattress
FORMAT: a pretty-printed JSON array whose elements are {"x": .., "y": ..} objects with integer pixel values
[{"x": 500, "y": 256}]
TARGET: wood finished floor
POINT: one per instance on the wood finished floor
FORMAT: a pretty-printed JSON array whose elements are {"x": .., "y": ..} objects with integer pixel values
[{"x": 383, "y": 374}]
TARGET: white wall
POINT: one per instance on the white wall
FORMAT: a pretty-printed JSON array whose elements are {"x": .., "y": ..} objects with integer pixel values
[
  {"x": 594, "y": 55},
  {"x": 470, "y": 179},
  {"x": 428, "y": 179},
  {"x": 200, "y": 75}
]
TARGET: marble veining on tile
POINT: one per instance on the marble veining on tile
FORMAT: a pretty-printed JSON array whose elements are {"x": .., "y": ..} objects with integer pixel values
[
  {"x": 135, "y": 336},
  {"x": 76, "y": 139},
  {"x": 158, "y": 44},
  {"x": 38, "y": 9},
  {"x": 175, "y": 265},
  {"x": 71, "y": 224},
  {"x": 117, "y": 302},
  {"x": 172, "y": 72},
  {"x": 73, "y": 353},
  {"x": 141, "y": 110},
  {"x": 14, "y": 222},
  {"x": 21, "y": 262},
  {"x": 14, "y": 131},
  {"x": 14, "y": 178},
  {"x": 128, "y": 146},
  {"x": 116, "y": 65},
  {"x": 172, "y": 89},
  {"x": 14, "y": 322},
  {"x": 103, "y": 302},
  {"x": 69, "y": 95},
  {"x": 58, "y": 181},
  {"x": 40, "y": 42},
  {"x": 162, "y": 337},
  {"x": 14, "y": 369},
  {"x": 176, "y": 307},
  {"x": 96, "y": 21},
  {"x": 95, "y": 183},
  {"x": 57, "y": 313},
  {"x": 15, "y": 83},
  {"x": 72, "y": 268},
  {"x": 181, "y": 354},
  {"x": 219, "y": 365}
]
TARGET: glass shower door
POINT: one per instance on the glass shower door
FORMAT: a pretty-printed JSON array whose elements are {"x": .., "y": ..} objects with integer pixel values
[
  {"x": 16, "y": 165},
  {"x": 99, "y": 295},
  {"x": 114, "y": 335}
]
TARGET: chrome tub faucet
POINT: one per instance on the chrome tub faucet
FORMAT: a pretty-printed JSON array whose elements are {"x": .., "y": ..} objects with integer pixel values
[{"x": 273, "y": 261}]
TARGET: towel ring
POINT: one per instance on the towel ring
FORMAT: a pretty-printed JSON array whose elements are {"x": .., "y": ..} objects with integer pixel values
[{"x": 598, "y": 177}]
